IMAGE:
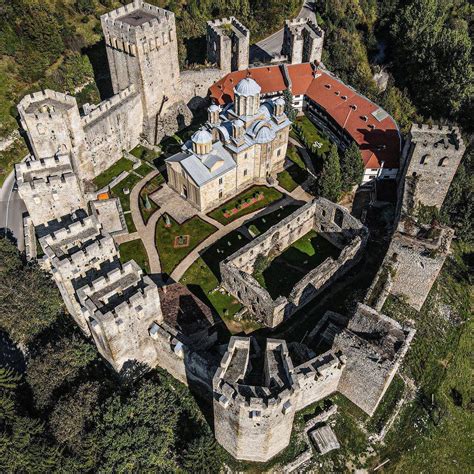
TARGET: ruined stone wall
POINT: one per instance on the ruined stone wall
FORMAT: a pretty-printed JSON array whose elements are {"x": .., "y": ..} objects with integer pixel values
[
  {"x": 113, "y": 127},
  {"x": 418, "y": 265},
  {"x": 368, "y": 372},
  {"x": 332, "y": 221},
  {"x": 317, "y": 378},
  {"x": 434, "y": 154},
  {"x": 195, "y": 86}
]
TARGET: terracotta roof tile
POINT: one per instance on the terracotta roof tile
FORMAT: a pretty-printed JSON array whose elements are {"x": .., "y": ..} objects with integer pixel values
[{"x": 379, "y": 141}]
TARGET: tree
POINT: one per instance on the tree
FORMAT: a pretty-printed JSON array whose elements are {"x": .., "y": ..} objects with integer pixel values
[
  {"x": 329, "y": 183},
  {"x": 71, "y": 414},
  {"x": 29, "y": 300},
  {"x": 290, "y": 111},
  {"x": 56, "y": 365},
  {"x": 433, "y": 56},
  {"x": 202, "y": 455},
  {"x": 352, "y": 167}
]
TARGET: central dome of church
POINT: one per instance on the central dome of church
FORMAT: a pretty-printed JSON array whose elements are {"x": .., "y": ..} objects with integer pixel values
[{"x": 247, "y": 87}]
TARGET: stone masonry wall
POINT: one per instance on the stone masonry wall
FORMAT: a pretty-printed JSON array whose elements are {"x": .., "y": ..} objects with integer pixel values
[
  {"x": 114, "y": 126},
  {"x": 332, "y": 221}
]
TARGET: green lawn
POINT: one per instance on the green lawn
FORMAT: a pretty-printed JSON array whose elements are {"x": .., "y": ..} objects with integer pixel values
[
  {"x": 294, "y": 156},
  {"x": 292, "y": 177},
  {"x": 309, "y": 135},
  {"x": 197, "y": 229},
  {"x": 270, "y": 195},
  {"x": 203, "y": 277},
  {"x": 280, "y": 274},
  {"x": 134, "y": 250},
  {"x": 263, "y": 223},
  {"x": 111, "y": 173},
  {"x": 145, "y": 154},
  {"x": 128, "y": 183},
  {"x": 130, "y": 224},
  {"x": 149, "y": 188},
  {"x": 9, "y": 157},
  {"x": 143, "y": 169}
]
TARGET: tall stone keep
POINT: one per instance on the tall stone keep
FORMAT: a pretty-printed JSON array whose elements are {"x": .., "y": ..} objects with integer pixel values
[
  {"x": 142, "y": 50},
  {"x": 432, "y": 155},
  {"x": 228, "y": 44},
  {"x": 303, "y": 41},
  {"x": 53, "y": 124}
]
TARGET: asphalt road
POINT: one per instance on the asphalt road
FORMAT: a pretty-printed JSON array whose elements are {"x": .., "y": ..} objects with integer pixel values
[
  {"x": 11, "y": 210},
  {"x": 271, "y": 46}
]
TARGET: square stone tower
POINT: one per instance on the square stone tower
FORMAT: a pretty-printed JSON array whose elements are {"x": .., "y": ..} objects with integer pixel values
[
  {"x": 53, "y": 124},
  {"x": 303, "y": 41},
  {"x": 228, "y": 44},
  {"x": 142, "y": 50},
  {"x": 432, "y": 155}
]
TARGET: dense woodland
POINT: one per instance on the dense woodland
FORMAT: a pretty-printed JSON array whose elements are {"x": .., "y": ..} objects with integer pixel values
[{"x": 61, "y": 408}]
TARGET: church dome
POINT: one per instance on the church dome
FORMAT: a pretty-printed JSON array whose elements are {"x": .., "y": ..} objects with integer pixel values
[
  {"x": 238, "y": 123},
  {"x": 265, "y": 135},
  {"x": 213, "y": 108},
  {"x": 247, "y": 87},
  {"x": 201, "y": 137}
]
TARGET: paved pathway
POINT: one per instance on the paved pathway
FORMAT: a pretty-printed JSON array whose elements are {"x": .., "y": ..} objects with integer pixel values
[
  {"x": 180, "y": 270},
  {"x": 145, "y": 232}
]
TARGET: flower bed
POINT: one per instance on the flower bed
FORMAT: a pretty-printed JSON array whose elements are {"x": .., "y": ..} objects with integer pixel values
[{"x": 243, "y": 204}]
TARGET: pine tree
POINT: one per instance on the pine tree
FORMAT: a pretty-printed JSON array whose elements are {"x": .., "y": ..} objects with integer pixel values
[
  {"x": 290, "y": 111},
  {"x": 329, "y": 183},
  {"x": 352, "y": 167}
]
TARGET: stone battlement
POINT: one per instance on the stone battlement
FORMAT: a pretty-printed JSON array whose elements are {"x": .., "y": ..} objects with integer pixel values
[
  {"x": 217, "y": 24},
  {"x": 437, "y": 136},
  {"x": 30, "y": 170},
  {"x": 45, "y": 184},
  {"x": 123, "y": 16},
  {"x": 46, "y": 103},
  {"x": 106, "y": 105},
  {"x": 297, "y": 25},
  {"x": 59, "y": 241}
]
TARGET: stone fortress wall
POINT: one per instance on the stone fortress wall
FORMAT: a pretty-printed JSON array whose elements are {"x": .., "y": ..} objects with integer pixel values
[
  {"x": 49, "y": 187},
  {"x": 330, "y": 220},
  {"x": 418, "y": 250},
  {"x": 254, "y": 409}
]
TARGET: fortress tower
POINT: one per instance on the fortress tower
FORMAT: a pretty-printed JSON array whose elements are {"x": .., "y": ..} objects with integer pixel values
[
  {"x": 49, "y": 187},
  {"x": 432, "y": 155},
  {"x": 228, "y": 44},
  {"x": 303, "y": 41},
  {"x": 121, "y": 306},
  {"x": 142, "y": 50},
  {"x": 53, "y": 124},
  {"x": 253, "y": 409}
]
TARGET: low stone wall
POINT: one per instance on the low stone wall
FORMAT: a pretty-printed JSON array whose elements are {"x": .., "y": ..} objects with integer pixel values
[{"x": 332, "y": 221}]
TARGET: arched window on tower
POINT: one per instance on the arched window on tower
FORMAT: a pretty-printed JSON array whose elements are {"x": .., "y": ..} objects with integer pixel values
[{"x": 443, "y": 161}]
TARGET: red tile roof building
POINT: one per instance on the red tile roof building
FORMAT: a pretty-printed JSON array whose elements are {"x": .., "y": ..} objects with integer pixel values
[{"x": 339, "y": 110}]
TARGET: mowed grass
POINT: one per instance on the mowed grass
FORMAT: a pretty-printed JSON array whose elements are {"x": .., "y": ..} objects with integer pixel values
[
  {"x": 284, "y": 271},
  {"x": 130, "y": 224},
  {"x": 128, "y": 183},
  {"x": 134, "y": 250},
  {"x": 203, "y": 278},
  {"x": 269, "y": 195},
  {"x": 291, "y": 178},
  {"x": 107, "y": 176},
  {"x": 197, "y": 229}
]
